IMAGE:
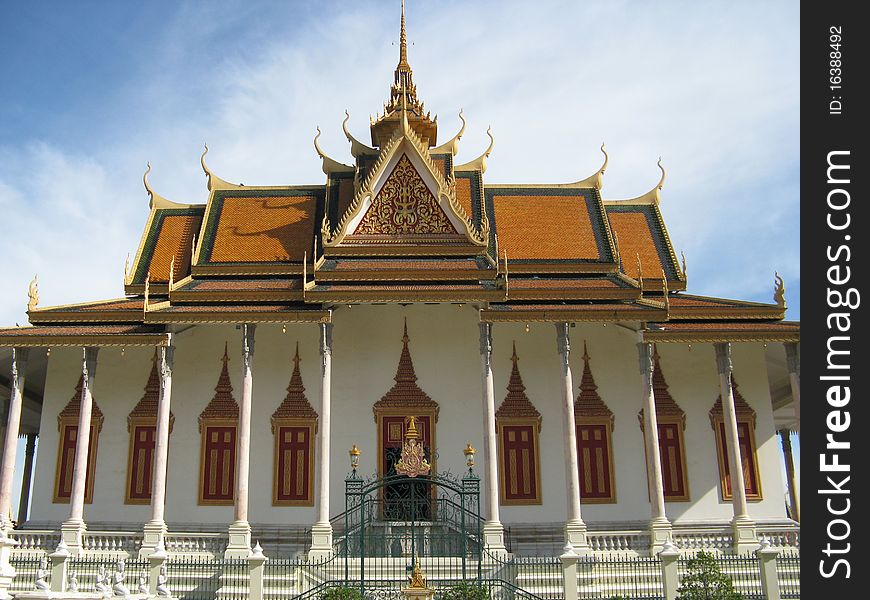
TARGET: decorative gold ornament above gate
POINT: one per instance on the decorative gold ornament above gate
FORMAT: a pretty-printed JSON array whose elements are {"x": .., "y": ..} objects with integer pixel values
[{"x": 413, "y": 461}]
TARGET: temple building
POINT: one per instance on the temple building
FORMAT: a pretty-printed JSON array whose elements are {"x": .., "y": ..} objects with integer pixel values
[{"x": 540, "y": 335}]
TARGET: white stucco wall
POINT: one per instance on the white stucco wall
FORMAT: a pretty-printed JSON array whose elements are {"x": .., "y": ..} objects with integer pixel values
[{"x": 445, "y": 350}]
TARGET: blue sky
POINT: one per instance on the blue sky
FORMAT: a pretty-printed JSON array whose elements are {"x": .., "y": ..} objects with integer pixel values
[{"x": 93, "y": 90}]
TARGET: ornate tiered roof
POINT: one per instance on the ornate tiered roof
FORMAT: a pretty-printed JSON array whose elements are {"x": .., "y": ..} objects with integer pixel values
[
  {"x": 406, "y": 394},
  {"x": 666, "y": 406},
  {"x": 146, "y": 408},
  {"x": 223, "y": 405},
  {"x": 516, "y": 405},
  {"x": 72, "y": 410},
  {"x": 402, "y": 222},
  {"x": 295, "y": 404},
  {"x": 589, "y": 404}
]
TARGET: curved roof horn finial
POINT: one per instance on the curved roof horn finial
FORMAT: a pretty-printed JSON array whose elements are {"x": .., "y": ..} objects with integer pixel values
[
  {"x": 155, "y": 200},
  {"x": 661, "y": 183},
  {"x": 329, "y": 165},
  {"x": 596, "y": 180},
  {"x": 653, "y": 196},
  {"x": 451, "y": 146},
  {"x": 213, "y": 181},
  {"x": 479, "y": 163},
  {"x": 356, "y": 147}
]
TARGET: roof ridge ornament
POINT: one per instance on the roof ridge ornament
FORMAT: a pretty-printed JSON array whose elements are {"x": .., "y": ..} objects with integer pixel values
[
  {"x": 155, "y": 200},
  {"x": 33, "y": 293},
  {"x": 330, "y": 165},
  {"x": 652, "y": 197},
  {"x": 479, "y": 163},
  {"x": 451, "y": 146},
  {"x": 683, "y": 256},
  {"x": 779, "y": 291},
  {"x": 357, "y": 148},
  {"x": 214, "y": 182},
  {"x": 596, "y": 180}
]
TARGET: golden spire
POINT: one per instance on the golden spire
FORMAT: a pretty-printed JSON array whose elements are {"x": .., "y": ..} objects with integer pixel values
[
  {"x": 403, "y": 44},
  {"x": 403, "y": 97}
]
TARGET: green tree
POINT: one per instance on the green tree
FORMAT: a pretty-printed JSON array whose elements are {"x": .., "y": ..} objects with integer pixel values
[{"x": 704, "y": 581}]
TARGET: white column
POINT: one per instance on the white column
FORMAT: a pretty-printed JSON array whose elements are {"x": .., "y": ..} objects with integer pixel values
[
  {"x": 7, "y": 471},
  {"x": 321, "y": 531},
  {"x": 73, "y": 528},
  {"x": 575, "y": 528},
  {"x": 239, "y": 545},
  {"x": 660, "y": 527},
  {"x": 155, "y": 529},
  {"x": 493, "y": 531},
  {"x": 793, "y": 361},
  {"x": 744, "y": 529}
]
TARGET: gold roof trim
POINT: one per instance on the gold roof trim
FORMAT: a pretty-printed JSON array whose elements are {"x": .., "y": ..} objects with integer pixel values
[
  {"x": 155, "y": 200},
  {"x": 452, "y": 146},
  {"x": 330, "y": 165},
  {"x": 479, "y": 163}
]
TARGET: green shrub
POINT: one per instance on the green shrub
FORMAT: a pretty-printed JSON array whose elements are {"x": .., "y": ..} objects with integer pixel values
[
  {"x": 341, "y": 593},
  {"x": 704, "y": 581},
  {"x": 466, "y": 591}
]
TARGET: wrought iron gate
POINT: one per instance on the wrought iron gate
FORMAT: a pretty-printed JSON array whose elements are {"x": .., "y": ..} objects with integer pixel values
[{"x": 393, "y": 522}]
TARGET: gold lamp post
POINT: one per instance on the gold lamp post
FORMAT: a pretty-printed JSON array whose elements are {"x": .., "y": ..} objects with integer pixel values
[
  {"x": 469, "y": 456},
  {"x": 354, "y": 458}
]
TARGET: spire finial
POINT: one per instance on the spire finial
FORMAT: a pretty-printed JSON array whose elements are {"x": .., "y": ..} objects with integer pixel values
[
  {"x": 403, "y": 42},
  {"x": 405, "y": 337},
  {"x": 226, "y": 357},
  {"x": 296, "y": 359},
  {"x": 585, "y": 353},
  {"x": 514, "y": 357}
]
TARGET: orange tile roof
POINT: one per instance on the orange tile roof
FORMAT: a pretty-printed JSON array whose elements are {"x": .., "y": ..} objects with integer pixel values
[
  {"x": 173, "y": 240},
  {"x": 636, "y": 239},
  {"x": 264, "y": 229},
  {"x": 463, "y": 194},
  {"x": 545, "y": 227}
]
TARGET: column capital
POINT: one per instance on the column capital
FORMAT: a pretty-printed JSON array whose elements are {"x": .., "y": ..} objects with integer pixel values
[
  {"x": 563, "y": 339},
  {"x": 248, "y": 330},
  {"x": 723, "y": 358},
  {"x": 792, "y": 358},
  {"x": 644, "y": 355},
  {"x": 167, "y": 361},
  {"x": 19, "y": 362},
  {"x": 89, "y": 363},
  {"x": 325, "y": 338},
  {"x": 485, "y": 339}
]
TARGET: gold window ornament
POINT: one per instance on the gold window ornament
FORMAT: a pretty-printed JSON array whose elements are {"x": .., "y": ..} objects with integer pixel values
[
  {"x": 518, "y": 425},
  {"x": 746, "y": 440},
  {"x": 218, "y": 426},
  {"x": 68, "y": 426},
  {"x": 294, "y": 425}
]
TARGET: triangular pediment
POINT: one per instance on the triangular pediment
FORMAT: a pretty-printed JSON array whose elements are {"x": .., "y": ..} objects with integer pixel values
[
  {"x": 404, "y": 200},
  {"x": 405, "y": 205}
]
